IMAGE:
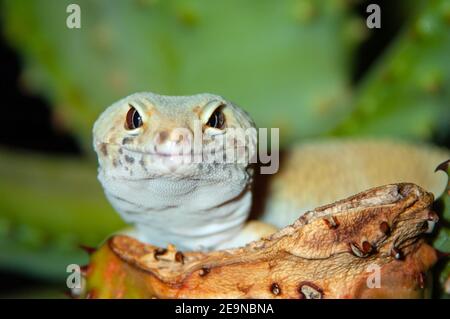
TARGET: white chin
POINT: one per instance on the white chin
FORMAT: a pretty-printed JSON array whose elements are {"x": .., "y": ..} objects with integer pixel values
[{"x": 162, "y": 165}]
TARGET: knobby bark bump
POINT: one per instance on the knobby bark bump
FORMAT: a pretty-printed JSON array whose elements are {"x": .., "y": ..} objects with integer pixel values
[{"x": 370, "y": 245}]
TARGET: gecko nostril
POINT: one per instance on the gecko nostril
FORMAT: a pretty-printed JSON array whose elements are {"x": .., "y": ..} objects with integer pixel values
[
  {"x": 180, "y": 136},
  {"x": 162, "y": 136},
  {"x": 175, "y": 137}
]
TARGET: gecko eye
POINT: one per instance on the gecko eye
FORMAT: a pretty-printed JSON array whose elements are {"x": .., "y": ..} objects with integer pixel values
[
  {"x": 217, "y": 119},
  {"x": 134, "y": 119}
]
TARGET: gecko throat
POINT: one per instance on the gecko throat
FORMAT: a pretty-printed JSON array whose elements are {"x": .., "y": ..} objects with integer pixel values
[{"x": 148, "y": 180}]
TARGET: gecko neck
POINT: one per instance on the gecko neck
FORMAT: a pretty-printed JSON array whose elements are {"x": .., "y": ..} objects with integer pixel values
[{"x": 200, "y": 213}]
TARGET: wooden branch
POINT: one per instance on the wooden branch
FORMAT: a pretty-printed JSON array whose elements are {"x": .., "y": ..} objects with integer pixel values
[{"x": 342, "y": 250}]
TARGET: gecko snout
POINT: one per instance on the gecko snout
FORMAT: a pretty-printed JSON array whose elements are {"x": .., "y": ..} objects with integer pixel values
[{"x": 173, "y": 141}]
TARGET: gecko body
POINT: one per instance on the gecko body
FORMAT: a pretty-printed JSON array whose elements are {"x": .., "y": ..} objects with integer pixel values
[{"x": 145, "y": 145}]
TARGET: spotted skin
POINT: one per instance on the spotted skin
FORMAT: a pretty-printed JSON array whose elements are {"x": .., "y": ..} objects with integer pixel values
[
  {"x": 203, "y": 206},
  {"x": 148, "y": 179}
]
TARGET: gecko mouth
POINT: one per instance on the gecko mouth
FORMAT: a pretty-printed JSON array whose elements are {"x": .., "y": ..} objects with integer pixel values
[
  {"x": 124, "y": 149},
  {"x": 190, "y": 155}
]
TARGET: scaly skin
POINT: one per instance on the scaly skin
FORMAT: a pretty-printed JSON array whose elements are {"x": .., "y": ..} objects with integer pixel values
[
  {"x": 62, "y": 221},
  {"x": 164, "y": 172},
  {"x": 198, "y": 206},
  {"x": 335, "y": 169},
  {"x": 66, "y": 80}
]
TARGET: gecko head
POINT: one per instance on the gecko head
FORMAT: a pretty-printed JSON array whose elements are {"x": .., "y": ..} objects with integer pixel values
[{"x": 146, "y": 135}]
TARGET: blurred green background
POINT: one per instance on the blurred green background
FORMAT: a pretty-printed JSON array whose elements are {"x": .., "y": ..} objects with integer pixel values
[{"x": 311, "y": 68}]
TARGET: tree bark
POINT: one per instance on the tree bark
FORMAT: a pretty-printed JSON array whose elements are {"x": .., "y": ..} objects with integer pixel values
[{"x": 369, "y": 245}]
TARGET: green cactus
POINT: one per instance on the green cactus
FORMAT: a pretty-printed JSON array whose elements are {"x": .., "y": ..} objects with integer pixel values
[
  {"x": 251, "y": 52},
  {"x": 49, "y": 207},
  {"x": 408, "y": 92},
  {"x": 172, "y": 47}
]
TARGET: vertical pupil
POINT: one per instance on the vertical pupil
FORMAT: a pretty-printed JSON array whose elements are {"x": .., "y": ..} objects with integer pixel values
[
  {"x": 136, "y": 119},
  {"x": 133, "y": 119},
  {"x": 216, "y": 119}
]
